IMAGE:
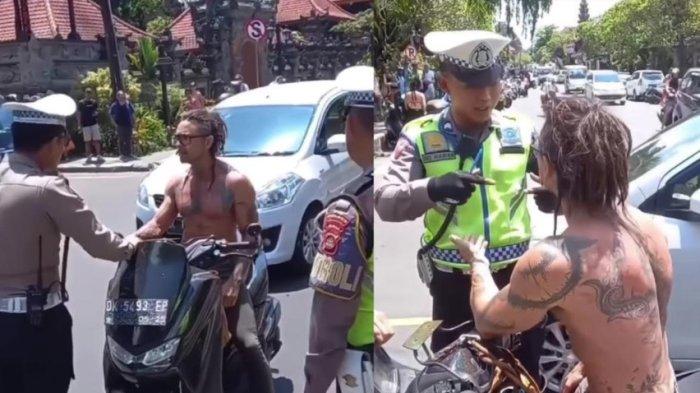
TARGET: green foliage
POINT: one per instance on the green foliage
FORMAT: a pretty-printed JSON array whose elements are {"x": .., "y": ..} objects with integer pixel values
[
  {"x": 527, "y": 11},
  {"x": 140, "y": 12},
  {"x": 542, "y": 38},
  {"x": 396, "y": 21},
  {"x": 145, "y": 60},
  {"x": 583, "y": 14},
  {"x": 159, "y": 25},
  {"x": 150, "y": 134},
  {"x": 552, "y": 44},
  {"x": 630, "y": 30},
  {"x": 176, "y": 98},
  {"x": 358, "y": 27}
]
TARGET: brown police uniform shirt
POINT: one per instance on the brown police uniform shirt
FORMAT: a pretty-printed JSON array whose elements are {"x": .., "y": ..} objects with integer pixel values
[{"x": 33, "y": 204}]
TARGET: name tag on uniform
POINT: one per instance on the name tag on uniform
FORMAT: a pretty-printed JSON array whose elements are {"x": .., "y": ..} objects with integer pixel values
[
  {"x": 511, "y": 141},
  {"x": 436, "y": 147}
]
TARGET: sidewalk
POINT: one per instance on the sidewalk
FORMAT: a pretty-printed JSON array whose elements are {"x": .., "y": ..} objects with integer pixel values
[{"x": 114, "y": 164}]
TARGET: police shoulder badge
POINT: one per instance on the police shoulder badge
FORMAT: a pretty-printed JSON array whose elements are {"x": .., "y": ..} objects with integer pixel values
[
  {"x": 481, "y": 57},
  {"x": 334, "y": 226}
]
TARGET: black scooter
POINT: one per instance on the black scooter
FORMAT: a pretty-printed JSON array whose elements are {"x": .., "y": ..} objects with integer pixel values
[
  {"x": 466, "y": 365},
  {"x": 164, "y": 321}
]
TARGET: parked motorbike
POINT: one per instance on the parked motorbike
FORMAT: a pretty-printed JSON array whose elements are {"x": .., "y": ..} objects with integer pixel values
[
  {"x": 466, "y": 365},
  {"x": 653, "y": 95},
  {"x": 164, "y": 319}
]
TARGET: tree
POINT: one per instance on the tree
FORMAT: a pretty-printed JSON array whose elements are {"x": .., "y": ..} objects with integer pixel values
[
  {"x": 159, "y": 25},
  {"x": 583, "y": 12},
  {"x": 527, "y": 11},
  {"x": 140, "y": 12},
  {"x": 542, "y": 38}
]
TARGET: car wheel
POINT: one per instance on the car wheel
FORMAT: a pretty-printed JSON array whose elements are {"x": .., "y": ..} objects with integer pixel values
[
  {"x": 308, "y": 240},
  {"x": 557, "y": 358}
]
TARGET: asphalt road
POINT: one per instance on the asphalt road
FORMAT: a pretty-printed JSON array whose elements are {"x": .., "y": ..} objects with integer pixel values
[
  {"x": 112, "y": 197},
  {"x": 399, "y": 291}
]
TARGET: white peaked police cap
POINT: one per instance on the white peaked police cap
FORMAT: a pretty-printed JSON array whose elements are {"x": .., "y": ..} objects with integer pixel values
[
  {"x": 472, "y": 54},
  {"x": 53, "y": 109},
  {"x": 358, "y": 81}
]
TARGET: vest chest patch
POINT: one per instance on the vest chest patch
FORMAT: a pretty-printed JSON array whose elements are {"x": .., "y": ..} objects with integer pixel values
[
  {"x": 511, "y": 141},
  {"x": 435, "y": 147}
]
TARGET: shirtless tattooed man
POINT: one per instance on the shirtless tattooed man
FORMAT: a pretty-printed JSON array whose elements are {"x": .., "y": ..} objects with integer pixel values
[
  {"x": 607, "y": 278},
  {"x": 215, "y": 200}
]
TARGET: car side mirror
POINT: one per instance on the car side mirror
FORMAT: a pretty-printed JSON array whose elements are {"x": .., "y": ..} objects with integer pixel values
[
  {"x": 695, "y": 203},
  {"x": 337, "y": 143}
]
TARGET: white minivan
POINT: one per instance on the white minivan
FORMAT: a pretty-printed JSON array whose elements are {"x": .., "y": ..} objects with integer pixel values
[{"x": 289, "y": 140}]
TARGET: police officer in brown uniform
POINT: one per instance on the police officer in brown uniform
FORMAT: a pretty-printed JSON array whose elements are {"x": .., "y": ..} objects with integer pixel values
[
  {"x": 36, "y": 206},
  {"x": 343, "y": 305}
]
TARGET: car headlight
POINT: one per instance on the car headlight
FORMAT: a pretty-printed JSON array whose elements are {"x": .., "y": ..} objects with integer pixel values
[
  {"x": 280, "y": 191},
  {"x": 161, "y": 352},
  {"x": 143, "y": 195}
]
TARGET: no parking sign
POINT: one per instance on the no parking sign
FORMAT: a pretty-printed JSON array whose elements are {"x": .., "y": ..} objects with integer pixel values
[{"x": 256, "y": 29}]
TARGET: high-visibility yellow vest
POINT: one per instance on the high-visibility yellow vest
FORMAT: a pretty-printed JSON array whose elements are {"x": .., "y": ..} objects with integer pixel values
[{"x": 498, "y": 212}]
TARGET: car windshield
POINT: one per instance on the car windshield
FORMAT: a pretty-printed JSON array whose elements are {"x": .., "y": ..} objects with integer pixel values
[
  {"x": 652, "y": 76},
  {"x": 681, "y": 140},
  {"x": 577, "y": 74},
  {"x": 265, "y": 130},
  {"x": 606, "y": 78}
]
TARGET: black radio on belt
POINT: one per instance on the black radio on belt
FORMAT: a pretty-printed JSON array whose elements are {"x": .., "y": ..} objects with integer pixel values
[
  {"x": 36, "y": 300},
  {"x": 36, "y": 296}
]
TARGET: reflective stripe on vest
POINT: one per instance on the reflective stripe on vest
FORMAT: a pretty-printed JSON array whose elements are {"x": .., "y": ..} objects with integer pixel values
[{"x": 498, "y": 212}]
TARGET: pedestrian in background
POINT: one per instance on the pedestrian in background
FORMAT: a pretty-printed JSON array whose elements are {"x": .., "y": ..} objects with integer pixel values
[
  {"x": 415, "y": 101},
  {"x": 87, "y": 122},
  {"x": 195, "y": 99},
  {"x": 124, "y": 119},
  {"x": 239, "y": 84}
]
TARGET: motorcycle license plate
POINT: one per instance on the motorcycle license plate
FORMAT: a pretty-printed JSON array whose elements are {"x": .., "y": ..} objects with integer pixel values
[{"x": 136, "y": 312}]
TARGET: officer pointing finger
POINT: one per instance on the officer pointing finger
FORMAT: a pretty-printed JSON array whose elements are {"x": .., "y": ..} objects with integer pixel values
[{"x": 464, "y": 170}]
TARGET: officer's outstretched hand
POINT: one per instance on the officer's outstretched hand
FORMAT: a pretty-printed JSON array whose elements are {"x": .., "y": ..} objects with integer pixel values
[
  {"x": 383, "y": 331},
  {"x": 454, "y": 188}
]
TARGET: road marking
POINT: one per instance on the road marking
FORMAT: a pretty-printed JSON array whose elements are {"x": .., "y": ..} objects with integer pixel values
[{"x": 414, "y": 321}]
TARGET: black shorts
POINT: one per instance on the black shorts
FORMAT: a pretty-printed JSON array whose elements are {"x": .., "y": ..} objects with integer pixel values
[{"x": 36, "y": 360}]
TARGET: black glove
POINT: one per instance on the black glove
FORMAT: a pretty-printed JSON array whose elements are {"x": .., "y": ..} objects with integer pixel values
[
  {"x": 546, "y": 200},
  {"x": 454, "y": 188}
]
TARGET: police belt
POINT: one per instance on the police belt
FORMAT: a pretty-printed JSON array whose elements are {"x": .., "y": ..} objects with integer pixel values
[
  {"x": 449, "y": 261},
  {"x": 18, "y": 305}
]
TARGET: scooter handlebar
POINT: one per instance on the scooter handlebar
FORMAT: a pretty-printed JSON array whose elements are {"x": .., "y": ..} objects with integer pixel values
[{"x": 253, "y": 231}]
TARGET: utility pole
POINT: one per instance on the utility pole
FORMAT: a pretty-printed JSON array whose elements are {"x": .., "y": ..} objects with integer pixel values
[{"x": 111, "y": 46}]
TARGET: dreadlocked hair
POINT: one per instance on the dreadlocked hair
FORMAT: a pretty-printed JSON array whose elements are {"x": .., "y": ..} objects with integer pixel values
[
  {"x": 209, "y": 122},
  {"x": 589, "y": 148}
]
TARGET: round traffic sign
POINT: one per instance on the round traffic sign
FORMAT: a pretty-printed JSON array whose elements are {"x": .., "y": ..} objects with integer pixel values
[{"x": 256, "y": 29}]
